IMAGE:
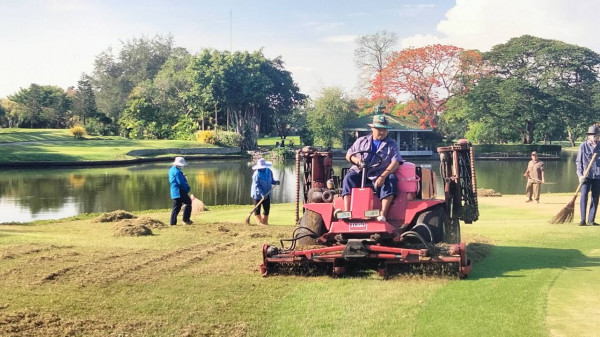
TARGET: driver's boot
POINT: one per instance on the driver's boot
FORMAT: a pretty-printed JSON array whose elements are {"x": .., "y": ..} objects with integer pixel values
[{"x": 265, "y": 220}]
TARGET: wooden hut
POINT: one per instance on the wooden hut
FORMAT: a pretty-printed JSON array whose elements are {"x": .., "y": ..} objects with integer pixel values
[{"x": 412, "y": 139}]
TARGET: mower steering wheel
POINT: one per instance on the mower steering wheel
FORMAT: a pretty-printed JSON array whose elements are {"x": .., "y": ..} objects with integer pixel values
[{"x": 368, "y": 165}]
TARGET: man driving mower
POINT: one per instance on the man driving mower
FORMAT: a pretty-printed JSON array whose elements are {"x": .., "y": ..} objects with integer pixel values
[{"x": 378, "y": 155}]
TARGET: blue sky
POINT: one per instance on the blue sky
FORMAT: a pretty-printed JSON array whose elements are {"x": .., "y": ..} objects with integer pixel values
[{"x": 54, "y": 42}]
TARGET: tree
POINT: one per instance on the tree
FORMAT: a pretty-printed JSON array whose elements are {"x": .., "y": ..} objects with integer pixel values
[
  {"x": 427, "y": 78},
  {"x": 247, "y": 85},
  {"x": 285, "y": 100},
  {"x": 84, "y": 101},
  {"x": 538, "y": 86},
  {"x": 11, "y": 114},
  {"x": 42, "y": 107},
  {"x": 173, "y": 84},
  {"x": 142, "y": 118},
  {"x": 371, "y": 56},
  {"x": 326, "y": 118},
  {"x": 3, "y": 113},
  {"x": 114, "y": 78}
]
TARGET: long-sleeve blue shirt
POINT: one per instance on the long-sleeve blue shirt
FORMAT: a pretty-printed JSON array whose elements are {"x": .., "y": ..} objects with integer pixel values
[
  {"x": 387, "y": 150},
  {"x": 262, "y": 180},
  {"x": 584, "y": 155},
  {"x": 178, "y": 182}
]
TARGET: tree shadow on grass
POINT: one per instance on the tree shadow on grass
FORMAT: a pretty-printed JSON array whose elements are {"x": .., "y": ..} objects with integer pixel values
[{"x": 508, "y": 259}]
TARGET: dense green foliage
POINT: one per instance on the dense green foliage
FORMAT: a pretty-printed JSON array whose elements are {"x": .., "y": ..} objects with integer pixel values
[
  {"x": 329, "y": 113},
  {"x": 537, "y": 89},
  {"x": 526, "y": 90},
  {"x": 524, "y": 149}
]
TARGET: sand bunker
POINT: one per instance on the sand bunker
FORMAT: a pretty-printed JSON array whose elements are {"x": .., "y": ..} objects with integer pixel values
[{"x": 114, "y": 216}]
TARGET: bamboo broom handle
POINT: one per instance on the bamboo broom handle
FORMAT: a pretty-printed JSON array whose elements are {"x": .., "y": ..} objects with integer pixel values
[{"x": 587, "y": 171}]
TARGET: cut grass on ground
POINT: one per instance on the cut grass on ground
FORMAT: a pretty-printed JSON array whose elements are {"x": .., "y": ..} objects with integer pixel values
[{"x": 74, "y": 277}]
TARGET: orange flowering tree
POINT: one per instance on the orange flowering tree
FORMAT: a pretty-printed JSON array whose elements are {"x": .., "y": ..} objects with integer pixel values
[{"x": 426, "y": 78}]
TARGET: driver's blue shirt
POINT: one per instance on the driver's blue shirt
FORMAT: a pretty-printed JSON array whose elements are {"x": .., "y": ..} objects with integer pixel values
[{"x": 387, "y": 149}]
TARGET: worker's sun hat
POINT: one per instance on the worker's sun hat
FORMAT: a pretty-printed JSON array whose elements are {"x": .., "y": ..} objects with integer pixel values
[
  {"x": 261, "y": 164},
  {"x": 592, "y": 130},
  {"x": 380, "y": 122},
  {"x": 179, "y": 161}
]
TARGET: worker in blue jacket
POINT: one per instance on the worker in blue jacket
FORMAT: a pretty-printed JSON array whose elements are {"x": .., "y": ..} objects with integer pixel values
[
  {"x": 179, "y": 192},
  {"x": 262, "y": 183}
]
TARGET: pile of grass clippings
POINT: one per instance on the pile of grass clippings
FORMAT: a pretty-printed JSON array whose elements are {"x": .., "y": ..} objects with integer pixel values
[
  {"x": 487, "y": 192},
  {"x": 149, "y": 222},
  {"x": 129, "y": 227},
  {"x": 478, "y": 247},
  {"x": 114, "y": 216}
]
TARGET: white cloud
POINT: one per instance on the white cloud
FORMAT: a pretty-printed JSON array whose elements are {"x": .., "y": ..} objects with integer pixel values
[
  {"x": 319, "y": 26},
  {"x": 481, "y": 24},
  {"x": 340, "y": 38}
]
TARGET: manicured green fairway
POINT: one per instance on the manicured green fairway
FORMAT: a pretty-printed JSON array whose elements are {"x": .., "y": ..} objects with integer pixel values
[
  {"x": 25, "y": 145},
  {"x": 74, "y": 277}
]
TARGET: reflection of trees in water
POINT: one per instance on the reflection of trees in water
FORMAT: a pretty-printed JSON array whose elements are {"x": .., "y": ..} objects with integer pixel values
[
  {"x": 37, "y": 193},
  {"x": 223, "y": 184},
  {"x": 76, "y": 181},
  {"x": 135, "y": 188}
]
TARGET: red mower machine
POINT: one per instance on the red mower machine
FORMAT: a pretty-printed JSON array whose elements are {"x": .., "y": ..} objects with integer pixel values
[{"x": 420, "y": 232}]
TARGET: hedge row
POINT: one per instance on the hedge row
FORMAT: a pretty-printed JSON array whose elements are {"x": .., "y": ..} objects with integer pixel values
[{"x": 517, "y": 149}]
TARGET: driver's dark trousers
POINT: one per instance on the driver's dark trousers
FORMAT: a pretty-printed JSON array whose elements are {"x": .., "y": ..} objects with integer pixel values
[{"x": 353, "y": 180}]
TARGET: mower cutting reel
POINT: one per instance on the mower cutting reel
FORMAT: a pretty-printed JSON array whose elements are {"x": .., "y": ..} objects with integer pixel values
[{"x": 420, "y": 233}]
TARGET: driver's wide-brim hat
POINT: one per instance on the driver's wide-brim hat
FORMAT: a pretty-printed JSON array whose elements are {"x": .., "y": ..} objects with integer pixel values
[
  {"x": 380, "y": 122},
  {"x": 593, "y": 130}
]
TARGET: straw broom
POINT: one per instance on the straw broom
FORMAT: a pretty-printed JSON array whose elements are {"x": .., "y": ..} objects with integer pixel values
[
  {"x": 197, "y": 205},
  {"x": 566, "y": 214}
]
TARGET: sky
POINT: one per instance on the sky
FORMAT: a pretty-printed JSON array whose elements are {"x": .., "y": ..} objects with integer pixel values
[{"x": 52, "y": 42}]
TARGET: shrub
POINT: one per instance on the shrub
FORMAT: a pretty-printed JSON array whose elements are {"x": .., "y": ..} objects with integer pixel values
[
  {"x": 78, "y": 131},
  {"x": 229, "y": 138},
  {"x": 207, "y": 136},
  {"x": 281, "y": 153}
]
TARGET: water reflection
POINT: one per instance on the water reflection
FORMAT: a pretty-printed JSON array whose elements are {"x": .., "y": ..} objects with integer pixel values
[{"x": 27, "y": 195}]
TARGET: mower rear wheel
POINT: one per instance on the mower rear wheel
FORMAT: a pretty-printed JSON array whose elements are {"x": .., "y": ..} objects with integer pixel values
[
  {"x": 311, "y": 224},
  {"x": 434, "y": 219}
]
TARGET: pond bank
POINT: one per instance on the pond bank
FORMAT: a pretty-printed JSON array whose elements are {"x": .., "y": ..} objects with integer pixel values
[{"x": 49, "y": 164}]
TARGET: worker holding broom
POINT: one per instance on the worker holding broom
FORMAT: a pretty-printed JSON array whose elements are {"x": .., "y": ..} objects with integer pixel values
[
  {"x": 591, "y": 181},
  {"x": 262, "y": 184},
  {"x": 179, "y": 192}
]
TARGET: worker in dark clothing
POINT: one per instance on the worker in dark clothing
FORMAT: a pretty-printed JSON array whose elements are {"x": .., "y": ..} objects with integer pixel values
[{"x": 591, "y": 182}]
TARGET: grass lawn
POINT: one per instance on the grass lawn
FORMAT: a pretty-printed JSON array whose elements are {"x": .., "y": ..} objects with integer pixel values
[
  {"x": 58, "y": 145},
  {"x": 74, "y": 277}
]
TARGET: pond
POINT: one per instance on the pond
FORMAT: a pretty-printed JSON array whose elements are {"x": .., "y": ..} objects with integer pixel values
[{"x": 27, "y": 195}]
